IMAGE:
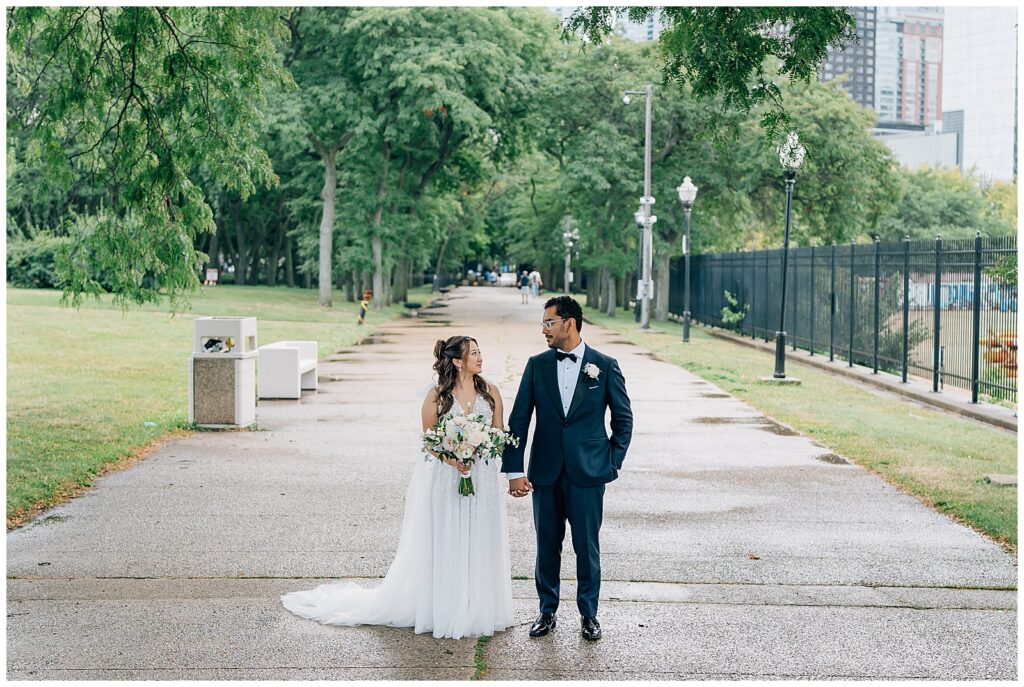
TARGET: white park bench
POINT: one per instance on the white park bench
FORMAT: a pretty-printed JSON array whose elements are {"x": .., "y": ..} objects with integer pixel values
[{"x": 286, "y": 368}]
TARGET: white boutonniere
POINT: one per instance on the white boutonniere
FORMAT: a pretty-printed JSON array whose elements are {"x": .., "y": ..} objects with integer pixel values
[{"x": 592, "y": 370}]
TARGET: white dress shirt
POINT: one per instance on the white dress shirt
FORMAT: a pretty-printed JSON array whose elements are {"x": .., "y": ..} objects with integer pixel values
[{"x": 568, "y": 375}]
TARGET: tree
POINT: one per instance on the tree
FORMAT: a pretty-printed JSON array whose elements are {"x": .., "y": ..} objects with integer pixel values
[
  {"x": 848, "y": 183},
  {"x": 722, "y": 51},
  {"x": 136, "y": 100},
  {"x": 316, "y": 54},
  {"x": 430, "y": 114},
  {"x": 945, "y": 201}
]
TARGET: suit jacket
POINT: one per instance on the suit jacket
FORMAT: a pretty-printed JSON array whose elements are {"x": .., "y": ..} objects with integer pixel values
[{"x": 576, "y": 439}]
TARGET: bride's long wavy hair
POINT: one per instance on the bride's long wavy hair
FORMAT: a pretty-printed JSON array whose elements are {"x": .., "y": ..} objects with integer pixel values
[{"x": 446, "y": 352}]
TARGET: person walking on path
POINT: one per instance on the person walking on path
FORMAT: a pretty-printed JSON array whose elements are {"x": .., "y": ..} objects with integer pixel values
[
  {"x": 451, "y": 574},
  {"x": 535, "y": 283},
  {"x": 524, "y": 286},
  {"x": 570, "y": 386}
]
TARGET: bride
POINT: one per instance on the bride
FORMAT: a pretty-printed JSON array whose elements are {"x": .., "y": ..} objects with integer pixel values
[{"x": 451, "y": 574}]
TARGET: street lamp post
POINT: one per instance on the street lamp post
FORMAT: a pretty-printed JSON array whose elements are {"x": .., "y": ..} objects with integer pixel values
[
  {"x": 687, "y": 194},
  {"x": 638, "y": 216},
  {"x": 569, "y": 238},
  {"x": 791, "y": 156},
  {"x": 644, "y": 286}
]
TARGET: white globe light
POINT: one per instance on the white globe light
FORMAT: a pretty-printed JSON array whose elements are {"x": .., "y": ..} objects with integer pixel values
[
  {"x": 687, "y": 192},
  {"x": 625, "y": 99}
]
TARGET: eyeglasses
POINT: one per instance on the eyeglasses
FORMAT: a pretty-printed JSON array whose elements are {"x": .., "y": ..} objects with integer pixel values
[{"x": 547, "y": 324}]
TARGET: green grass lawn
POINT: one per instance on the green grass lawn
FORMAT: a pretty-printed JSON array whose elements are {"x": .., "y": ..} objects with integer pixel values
[
  {"x": 82, "y": 384},
  {"x": 936, "y": 456}
]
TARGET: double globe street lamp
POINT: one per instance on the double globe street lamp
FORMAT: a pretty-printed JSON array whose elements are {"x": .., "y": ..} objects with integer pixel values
[
  {"x": 791, "y": 156},
  {"x": 687, "y": 194}
]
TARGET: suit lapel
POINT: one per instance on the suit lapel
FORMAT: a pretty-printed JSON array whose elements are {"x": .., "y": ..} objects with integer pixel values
[
  {"x": 549, "y": 373},
  {"x": 581, "y": 386}
]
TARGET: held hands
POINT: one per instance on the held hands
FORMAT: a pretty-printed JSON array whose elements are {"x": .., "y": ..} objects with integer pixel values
[{"x": 519, "y": 487}]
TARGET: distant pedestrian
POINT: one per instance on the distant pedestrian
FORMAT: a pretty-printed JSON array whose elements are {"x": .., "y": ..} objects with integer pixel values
[
  {"x": 535, "y": 283},
  {"x": 524, "y": 286}
]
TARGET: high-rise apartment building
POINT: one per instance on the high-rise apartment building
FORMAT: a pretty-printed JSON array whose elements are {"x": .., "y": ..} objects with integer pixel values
[
  {"x": 979, "y": 87},
  {"x": 856, "y": 61},
  {"x": 908, "y": 65}
]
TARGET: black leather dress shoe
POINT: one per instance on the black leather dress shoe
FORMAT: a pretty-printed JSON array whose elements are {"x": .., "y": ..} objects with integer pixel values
[
  {"x": 590, "y": 629},
  {"x": 544, "y": 624}
]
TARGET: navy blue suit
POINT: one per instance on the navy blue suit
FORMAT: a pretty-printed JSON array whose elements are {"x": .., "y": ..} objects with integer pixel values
[{"x": 571, "y": 459}]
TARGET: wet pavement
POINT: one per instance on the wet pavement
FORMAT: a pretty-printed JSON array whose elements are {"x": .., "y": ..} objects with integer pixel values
[{"x": 732, "y": 546}]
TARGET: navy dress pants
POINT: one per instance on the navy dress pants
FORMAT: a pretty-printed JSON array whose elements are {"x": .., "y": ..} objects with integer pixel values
[{"x": 583, "y": 508}]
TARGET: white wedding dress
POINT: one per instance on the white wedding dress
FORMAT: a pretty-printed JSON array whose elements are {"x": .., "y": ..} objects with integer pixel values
[{"x": 451, "y": 574}]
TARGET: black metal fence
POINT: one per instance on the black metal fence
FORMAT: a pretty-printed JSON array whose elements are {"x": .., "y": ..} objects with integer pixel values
[{"x": 906, "y": 307}]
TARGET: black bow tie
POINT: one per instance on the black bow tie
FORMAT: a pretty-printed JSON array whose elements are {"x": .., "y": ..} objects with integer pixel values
[{"x": 562, "y": 356}]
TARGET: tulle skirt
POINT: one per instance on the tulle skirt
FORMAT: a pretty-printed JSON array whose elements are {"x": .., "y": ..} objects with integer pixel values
[{"x": 451, "y": 575}]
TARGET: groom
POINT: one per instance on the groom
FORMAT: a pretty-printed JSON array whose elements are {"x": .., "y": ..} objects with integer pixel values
[{"x": 570, "y": 385}]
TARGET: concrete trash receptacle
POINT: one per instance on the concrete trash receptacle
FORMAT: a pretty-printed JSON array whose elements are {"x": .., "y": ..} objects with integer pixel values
[{"x": 222, "y": 372}]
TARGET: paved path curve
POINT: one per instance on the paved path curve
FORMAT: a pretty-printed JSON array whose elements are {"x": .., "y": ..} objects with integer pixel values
[{"x": 732, "y": 547}]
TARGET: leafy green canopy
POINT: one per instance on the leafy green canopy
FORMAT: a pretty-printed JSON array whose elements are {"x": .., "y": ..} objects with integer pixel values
[
  {"x": 138, "y": 100},
  {"x": 722, "y": 51}
]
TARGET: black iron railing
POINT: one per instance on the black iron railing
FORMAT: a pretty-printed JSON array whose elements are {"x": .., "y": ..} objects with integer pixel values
[{"x": 906, "y": 307}]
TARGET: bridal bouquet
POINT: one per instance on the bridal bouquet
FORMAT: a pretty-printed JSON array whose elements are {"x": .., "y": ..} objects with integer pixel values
[{"x": 467, "y": 439}]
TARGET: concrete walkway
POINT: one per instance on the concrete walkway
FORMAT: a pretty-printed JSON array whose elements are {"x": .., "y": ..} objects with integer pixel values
[{"x": 732, "y": 547}]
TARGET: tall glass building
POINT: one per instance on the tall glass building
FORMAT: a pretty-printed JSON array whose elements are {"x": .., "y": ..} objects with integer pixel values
[{"x": 908, "y": 65}]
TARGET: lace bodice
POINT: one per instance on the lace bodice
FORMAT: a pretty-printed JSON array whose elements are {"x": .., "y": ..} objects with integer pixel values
[{"x": 480, "y": 407}]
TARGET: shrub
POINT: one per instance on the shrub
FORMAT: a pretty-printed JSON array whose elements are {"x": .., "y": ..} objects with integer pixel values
[{"x": 31, "y": 262}]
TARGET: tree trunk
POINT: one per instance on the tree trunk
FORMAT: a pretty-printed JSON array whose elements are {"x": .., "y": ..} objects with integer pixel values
[
  {"x": 378, "y": 271},
  {"x": 351, "y": 285},
  {"x": 400, "y": 289},
  {"x": 289, "y": 262},
  {"x": 610, "y": 306},
  {"x": 593, "y": 288},
  {"x": 213, "y": 259},
  {"x": 603, "y": 294},
  {"x": 242, "y": 257},
  {"x": 327, "y": 223},
  {"x": 307, "y": 279},
  {"x": 440, "y": 258},
  {"x": 389, "y": 272},
  {"x": 225, "y": 234},
  {"x": 275, "y": 257},
  {"x": 661, "y": 275},
  {"x": 376, "y": 242},
  {"x": 624, "y": 291},
  {"x": 254, "y": 262}
]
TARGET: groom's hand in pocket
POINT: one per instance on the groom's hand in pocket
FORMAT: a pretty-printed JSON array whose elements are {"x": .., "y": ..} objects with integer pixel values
[{"x": 519, "y": 486}]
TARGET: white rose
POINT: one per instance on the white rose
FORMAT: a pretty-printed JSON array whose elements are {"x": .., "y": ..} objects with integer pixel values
[
  {"x": 460, "y": 420},
  {"x": 476, "y": 437},
  {"x": 464, "y": 451},
  {"x": 592, "y": 370}
]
